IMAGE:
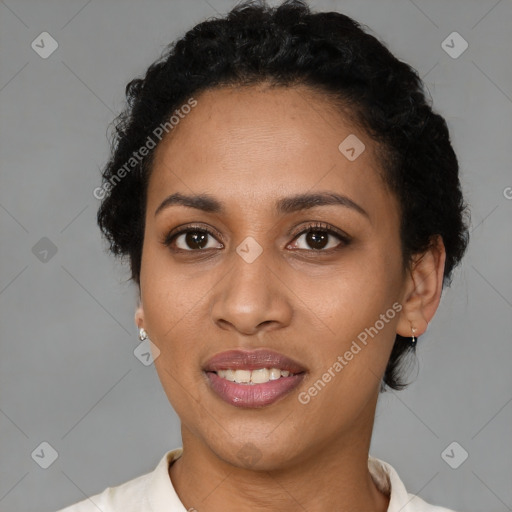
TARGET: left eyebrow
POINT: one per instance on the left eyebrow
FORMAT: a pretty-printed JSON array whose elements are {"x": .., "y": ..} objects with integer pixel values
[
  {"x": 306, "y": 201},
  {"x": 285, "y": 205}
]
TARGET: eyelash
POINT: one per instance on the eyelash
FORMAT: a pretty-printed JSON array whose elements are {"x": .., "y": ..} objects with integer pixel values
[{"x": 316, "y": 227}]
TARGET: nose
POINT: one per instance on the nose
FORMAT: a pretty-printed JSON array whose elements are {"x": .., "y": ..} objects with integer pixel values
[{"x": 251, "y": 298}]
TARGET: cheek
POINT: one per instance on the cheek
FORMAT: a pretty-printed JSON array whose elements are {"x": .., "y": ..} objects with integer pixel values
[
  {"x": 170, "y": 293},
  {"x": 358, "y": 309},
  {"x": 174, "y": 297},
  {"x": 356, "y": 292},
  {"x": 350, "y": 358}
]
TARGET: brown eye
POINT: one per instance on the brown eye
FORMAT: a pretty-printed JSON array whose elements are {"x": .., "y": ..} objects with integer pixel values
[
  {"x": 317, "y": 240},
  {"x": 193, "y": 240},
  {"x": 320, "y": 238}
]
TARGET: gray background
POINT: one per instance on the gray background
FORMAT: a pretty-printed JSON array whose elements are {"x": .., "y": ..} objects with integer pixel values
[{"x": 68, "y": 373}]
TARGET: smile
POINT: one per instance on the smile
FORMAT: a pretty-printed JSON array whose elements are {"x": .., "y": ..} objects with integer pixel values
[
  {"x": 252, "y": 379},
  {"x": 259, "y": 376}
]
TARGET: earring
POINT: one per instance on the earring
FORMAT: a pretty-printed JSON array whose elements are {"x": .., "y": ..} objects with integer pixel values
[
  {"x": 143, "y": 335},
  {"x": 413, "y": 338}
]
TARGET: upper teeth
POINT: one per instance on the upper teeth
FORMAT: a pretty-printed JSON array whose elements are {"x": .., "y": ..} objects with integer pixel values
[{"x": 259, "y": 376}]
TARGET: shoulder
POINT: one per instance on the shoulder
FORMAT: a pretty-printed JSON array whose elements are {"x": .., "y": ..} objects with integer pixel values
[
  {"x": 387, "y": 480},
  {"x": 416, "y": 504},
  {"x": 135, "y": 495},
  {"x": 126, "y": 497}
]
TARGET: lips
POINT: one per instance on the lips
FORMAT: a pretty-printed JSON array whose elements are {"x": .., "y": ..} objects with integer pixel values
[
  {"x": 252, "y": 360},
  {"x": 252, "y": 395}
]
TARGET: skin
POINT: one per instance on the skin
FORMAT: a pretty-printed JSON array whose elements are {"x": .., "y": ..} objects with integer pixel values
[{"x": 248, "y": 148}]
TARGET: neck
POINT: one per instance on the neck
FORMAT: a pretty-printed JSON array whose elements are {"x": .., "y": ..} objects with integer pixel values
[{"x": 332, "y": 476}]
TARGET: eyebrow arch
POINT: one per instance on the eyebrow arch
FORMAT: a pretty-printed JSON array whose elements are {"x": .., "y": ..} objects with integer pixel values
[{"x": 291, "y": 204}]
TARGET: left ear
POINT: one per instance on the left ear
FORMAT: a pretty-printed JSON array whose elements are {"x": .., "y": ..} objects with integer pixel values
[
  {"x": 139, "y": 316},
  {"x": 422, "y": 289}
]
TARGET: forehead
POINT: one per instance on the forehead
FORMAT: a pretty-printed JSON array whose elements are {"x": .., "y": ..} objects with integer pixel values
[{"x": 263, "y": 143}]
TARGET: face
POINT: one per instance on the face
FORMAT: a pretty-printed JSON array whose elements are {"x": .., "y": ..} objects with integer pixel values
[{"x": 290, "y": 261}]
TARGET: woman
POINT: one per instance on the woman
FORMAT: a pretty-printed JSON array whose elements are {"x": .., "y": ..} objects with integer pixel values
[{"x": 291, "y": 208}]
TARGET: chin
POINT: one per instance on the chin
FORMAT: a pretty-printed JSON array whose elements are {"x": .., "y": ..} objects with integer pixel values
[{"x": 257, "y": 453}]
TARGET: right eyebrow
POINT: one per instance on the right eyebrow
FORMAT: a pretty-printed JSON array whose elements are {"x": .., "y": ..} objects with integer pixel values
[{"x": 201, "y": 202}]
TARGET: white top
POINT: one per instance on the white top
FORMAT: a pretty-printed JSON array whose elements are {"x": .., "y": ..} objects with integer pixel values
[{"x": 154, "y": 492}]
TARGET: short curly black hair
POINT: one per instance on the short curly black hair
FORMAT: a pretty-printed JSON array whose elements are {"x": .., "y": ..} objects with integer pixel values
[{"x": 289, "y": 45}]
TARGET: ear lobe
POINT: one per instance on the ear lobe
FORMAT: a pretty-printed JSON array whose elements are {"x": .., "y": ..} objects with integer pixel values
[
  {"x": 423, "y": 290},
  {"x": 139, "y": 316}
]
